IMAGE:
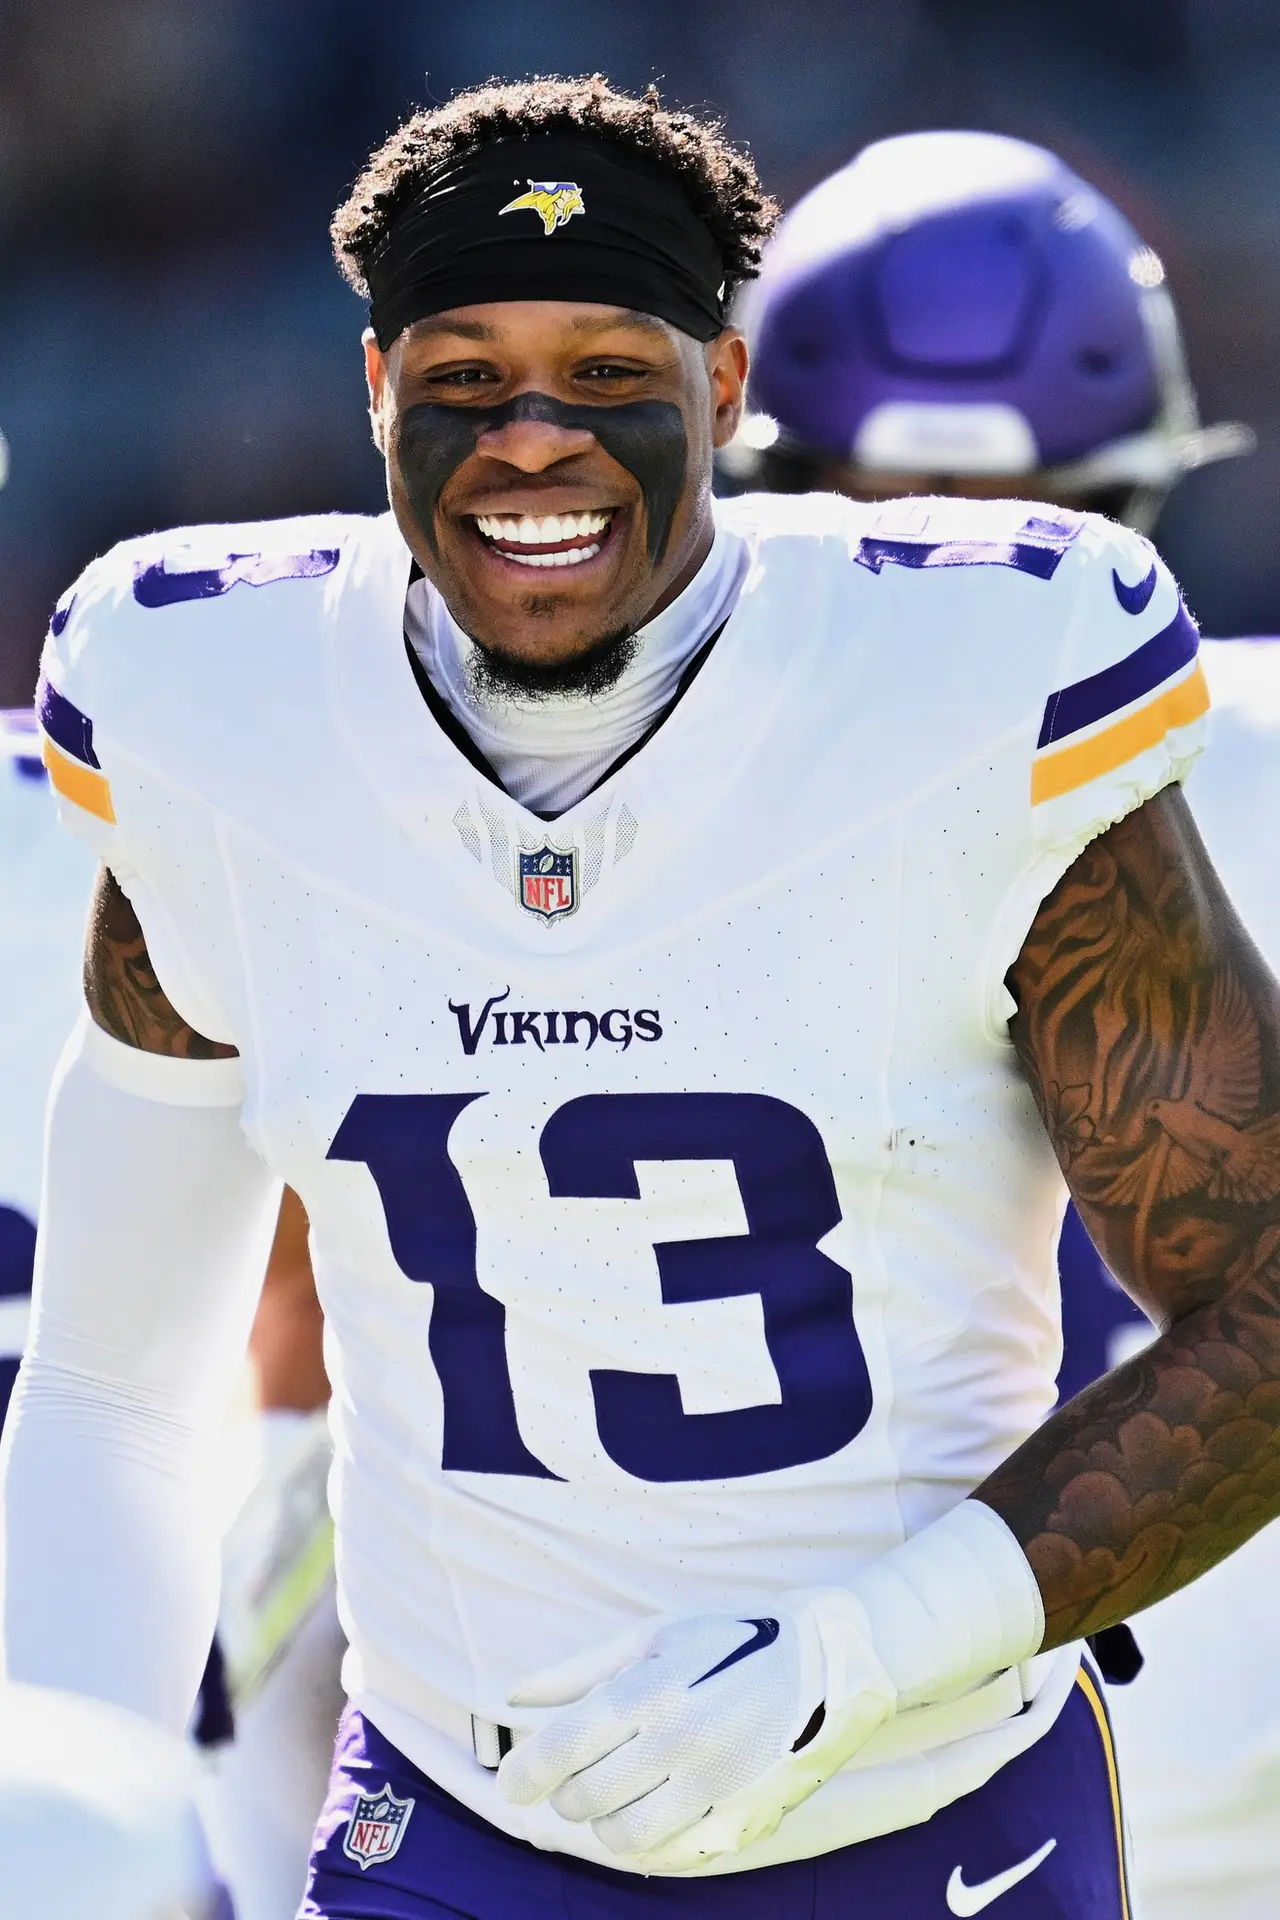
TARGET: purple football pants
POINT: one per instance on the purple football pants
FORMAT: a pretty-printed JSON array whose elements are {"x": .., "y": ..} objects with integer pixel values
[{"x": 442, "y": 1861}]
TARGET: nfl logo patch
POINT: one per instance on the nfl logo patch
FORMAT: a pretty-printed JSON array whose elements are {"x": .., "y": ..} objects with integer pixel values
[
  {"x": 547, "y": 881},
  {"x": 376, "y": 1827}
]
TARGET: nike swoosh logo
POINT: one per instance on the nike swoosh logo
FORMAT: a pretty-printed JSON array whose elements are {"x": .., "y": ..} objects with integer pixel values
[
  {"x": 964, "y": 1900},
  {"x": 766, "y": 1632},
  {"x": 1135, "y": 599}
]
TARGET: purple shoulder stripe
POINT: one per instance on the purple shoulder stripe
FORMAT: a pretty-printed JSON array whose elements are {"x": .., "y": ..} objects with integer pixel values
[
  {"x": 155, "y": 586},
  {"x": 1140, "y": 672},
  {"x": 65, "y": 725},
  {"x": 1037, "y": 548}
]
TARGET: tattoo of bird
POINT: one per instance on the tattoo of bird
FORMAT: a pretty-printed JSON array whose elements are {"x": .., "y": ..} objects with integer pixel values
[{"x": 1212, "y": 1140}]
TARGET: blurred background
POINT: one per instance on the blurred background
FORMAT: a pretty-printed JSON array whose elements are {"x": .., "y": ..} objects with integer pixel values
[{"x": 175, "y": 344}]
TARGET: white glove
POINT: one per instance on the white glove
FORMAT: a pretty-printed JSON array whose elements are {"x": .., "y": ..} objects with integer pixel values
[
  {"x": 722, "y": 1722},
  {"x": 693, "y": 1737}
]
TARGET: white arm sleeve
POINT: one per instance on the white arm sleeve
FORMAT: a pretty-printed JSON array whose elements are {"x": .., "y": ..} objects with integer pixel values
[{"x": 155, "y": 1227}]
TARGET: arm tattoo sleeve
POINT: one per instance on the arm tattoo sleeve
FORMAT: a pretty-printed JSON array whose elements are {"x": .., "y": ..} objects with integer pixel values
[
  {"x": 1149, "y": 1028},
  {"x": 120, "y": 985}
]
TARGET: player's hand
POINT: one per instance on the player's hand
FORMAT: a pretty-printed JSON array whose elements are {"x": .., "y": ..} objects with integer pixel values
[
  {"x": 693, "y": 1737},
  {"x": 696, "y": 1737}
]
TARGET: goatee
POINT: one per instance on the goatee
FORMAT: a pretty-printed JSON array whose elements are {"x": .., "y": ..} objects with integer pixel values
[{"x": 498, "y": 676}]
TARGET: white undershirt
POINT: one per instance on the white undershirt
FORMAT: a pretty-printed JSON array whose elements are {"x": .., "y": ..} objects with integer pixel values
[{"x": 549, "y": 753}]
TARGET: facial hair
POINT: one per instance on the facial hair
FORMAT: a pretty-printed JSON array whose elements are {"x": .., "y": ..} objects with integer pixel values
[{"x": 496, "y": 677}]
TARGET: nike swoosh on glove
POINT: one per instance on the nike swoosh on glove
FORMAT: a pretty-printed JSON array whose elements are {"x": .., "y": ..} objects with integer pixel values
[
  {"x": 688, "y": 1738},
  {"x": 713, "y": 1729}
]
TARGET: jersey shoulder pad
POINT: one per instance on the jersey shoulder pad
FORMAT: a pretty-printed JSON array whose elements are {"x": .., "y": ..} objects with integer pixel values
[
  {"x": 926, "y": 535},
  {"x": 934, "y": 533},
  {"x": 1126, "y": 695},
  {"x": 760, "y": 517},
  {"x": 99, "y": 668}
]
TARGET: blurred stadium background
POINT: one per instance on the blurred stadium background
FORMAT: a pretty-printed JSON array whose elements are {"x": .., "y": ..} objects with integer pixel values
[{"x": 176, "y": 346}]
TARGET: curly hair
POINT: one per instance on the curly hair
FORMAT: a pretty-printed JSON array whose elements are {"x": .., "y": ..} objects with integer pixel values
[{"x": 718, "y": 179}]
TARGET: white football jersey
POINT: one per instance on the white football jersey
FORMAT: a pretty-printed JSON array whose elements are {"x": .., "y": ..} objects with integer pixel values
[
  {"x": 682, "y": 1223},
  {"x": 45, "y": 883}
]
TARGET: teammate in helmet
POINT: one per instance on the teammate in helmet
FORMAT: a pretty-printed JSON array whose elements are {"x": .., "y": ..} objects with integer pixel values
[{"x": 959, "y": 312}]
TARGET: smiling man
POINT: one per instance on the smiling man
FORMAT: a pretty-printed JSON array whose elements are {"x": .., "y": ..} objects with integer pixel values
[{"x": 670, "y": 950}]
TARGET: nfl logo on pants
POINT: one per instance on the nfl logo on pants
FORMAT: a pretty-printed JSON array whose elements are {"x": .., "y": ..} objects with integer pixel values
[{"x": 376, "y": 1827}]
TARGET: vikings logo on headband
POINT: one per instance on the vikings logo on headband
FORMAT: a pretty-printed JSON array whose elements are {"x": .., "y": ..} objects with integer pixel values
[
  {"x": 644, "y": 248},
  {"x": 555, "y": 201}
]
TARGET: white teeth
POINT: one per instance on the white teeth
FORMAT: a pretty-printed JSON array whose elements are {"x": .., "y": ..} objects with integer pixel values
[
  {"x": 571, "y": 559},
  {"x": 549, "y": 532}
]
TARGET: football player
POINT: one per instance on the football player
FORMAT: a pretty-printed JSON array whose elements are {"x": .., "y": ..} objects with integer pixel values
[
  {"x": 961, "y": 312},
  {"x": 671, "y": 951}
]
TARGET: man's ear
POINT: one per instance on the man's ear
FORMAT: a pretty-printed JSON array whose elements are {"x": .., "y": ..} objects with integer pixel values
[
  {"x": 727, "y": 359},
  {"x": 375, "y": 375}
]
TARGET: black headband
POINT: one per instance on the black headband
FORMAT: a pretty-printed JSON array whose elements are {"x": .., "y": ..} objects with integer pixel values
[{"x": 548, "y": 219}]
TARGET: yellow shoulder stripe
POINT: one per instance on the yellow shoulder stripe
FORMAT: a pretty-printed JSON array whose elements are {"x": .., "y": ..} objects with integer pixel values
[
  {"x": 1054, "y": 774},
  {"x": 86, "y": 787}
]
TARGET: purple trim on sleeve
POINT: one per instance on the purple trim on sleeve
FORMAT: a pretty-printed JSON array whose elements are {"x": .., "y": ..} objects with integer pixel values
[
  {"x": 1037, "y": 549},
  {"x": 1085, "y": 701},
  {"x": 65, "y": 725},
  {"x": 155, "y": 586}
]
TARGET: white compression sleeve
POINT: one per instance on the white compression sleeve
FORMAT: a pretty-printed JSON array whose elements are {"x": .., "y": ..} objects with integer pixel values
[{"x": 156, "y": 1222}]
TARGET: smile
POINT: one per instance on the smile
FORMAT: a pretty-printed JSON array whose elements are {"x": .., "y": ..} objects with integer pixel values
[{"x": 558, "y": 540}]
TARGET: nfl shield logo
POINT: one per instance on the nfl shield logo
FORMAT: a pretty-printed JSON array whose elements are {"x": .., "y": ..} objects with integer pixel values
[
  {"x": 376, "y": 1827},
  {"x": 547, "y": 881}
]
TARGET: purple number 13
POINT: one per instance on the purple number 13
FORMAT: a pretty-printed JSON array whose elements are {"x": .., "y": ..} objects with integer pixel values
[{"x": 589, "y": 1149}]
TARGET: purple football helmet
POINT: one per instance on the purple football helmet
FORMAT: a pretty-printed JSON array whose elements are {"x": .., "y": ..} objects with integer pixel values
[{"x": 954, "y": 304}]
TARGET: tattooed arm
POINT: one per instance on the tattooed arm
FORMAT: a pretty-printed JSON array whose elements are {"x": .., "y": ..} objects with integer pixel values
[
  {"x": 1149, "y": 1028},
  {"x": 120, "y": 985}
]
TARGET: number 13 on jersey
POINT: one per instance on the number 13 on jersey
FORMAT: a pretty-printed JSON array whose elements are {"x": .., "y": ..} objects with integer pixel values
[{"x": 589, "y": 1149}]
